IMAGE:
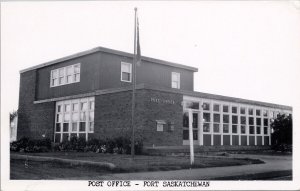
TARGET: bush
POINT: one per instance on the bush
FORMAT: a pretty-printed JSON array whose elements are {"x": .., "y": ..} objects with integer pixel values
[
  {"x": 27, "y": 145},
  {"x": 119, "y": 145}
]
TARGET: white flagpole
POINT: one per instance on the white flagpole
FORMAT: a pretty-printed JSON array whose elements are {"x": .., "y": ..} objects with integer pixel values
[
  {"x": 191, "y": 138},
  {"x": 133, "y": 86}
]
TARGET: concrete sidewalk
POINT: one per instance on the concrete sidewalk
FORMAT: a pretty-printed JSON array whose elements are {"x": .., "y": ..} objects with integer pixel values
[{"x": 272, "y": 163}]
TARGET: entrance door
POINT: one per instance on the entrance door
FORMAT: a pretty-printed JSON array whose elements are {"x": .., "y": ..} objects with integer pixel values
[{"x": 195, "y": 124}]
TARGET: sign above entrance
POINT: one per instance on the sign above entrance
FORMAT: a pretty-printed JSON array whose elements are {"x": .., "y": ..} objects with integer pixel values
[{"x": 164, "y": 101}]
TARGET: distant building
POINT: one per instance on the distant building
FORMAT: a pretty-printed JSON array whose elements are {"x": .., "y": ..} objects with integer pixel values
[{"x": 89, "y": 95}]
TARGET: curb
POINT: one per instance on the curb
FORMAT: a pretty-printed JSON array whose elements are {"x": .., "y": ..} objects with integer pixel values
[{"x": 105, "y": 165}]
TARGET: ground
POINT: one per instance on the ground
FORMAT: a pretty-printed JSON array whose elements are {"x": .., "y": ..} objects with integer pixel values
[{"x": 161, "y": 167}]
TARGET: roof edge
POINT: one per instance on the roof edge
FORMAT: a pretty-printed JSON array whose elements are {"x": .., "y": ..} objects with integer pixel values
[
  {"x": 111, "y": 51},
  {"x": 170, "y": 90}
]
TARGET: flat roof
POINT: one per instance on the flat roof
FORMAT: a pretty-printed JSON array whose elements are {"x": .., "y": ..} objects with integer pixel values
[
  {"x": 111, "y": 51},
  {"x": 170, "y": 90},
  {"x": 219, "y": 97}
]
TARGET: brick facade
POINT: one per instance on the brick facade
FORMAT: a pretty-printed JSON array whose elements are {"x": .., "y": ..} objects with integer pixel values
[
  {"x": 113, "y": 117},
  {"x": 35, "y": 121}
]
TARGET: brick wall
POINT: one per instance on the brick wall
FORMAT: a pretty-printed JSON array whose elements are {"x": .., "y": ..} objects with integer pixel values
[
  {"x": 34, "y": 120},
  {"x": 161, "y": 109},
  {"x": 113, "y": 117}
]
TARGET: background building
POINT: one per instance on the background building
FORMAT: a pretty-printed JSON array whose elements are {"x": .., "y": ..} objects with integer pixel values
[{"x": 89, "y": 95}]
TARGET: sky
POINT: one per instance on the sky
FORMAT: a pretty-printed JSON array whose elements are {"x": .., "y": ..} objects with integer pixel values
[{"x": 244, "y": 49}]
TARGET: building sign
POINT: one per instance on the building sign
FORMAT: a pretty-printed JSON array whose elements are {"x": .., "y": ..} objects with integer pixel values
[{"x": 163, "y": 101}]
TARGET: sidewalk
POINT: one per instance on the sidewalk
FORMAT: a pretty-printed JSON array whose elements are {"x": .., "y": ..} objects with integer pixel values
[{"x": 272, "y": 163}]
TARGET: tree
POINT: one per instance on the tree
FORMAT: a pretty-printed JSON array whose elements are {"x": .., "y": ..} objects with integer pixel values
[
  {"x": 12, "y": 115},
  {"x": 282, "y": 131}
]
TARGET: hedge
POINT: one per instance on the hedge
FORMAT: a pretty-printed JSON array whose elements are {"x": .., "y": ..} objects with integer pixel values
[{"x": 119, "y": 145}]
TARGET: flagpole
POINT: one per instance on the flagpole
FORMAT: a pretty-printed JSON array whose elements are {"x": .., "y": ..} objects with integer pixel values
[{"x": 133, "y": 87}]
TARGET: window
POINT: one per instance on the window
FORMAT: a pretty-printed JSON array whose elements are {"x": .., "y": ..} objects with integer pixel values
[
  {"x": 243, "y": 120},
  {"x": 243, "y": 129},
  {"x": 251, "y": 124},
  {"x": 234, "y": 109},
  {"x": 191, "y": 105},
  {"x": 176, "y": 80},
  {"x": 160, "y": 125},
  {"x": 225, "y": 108},
  {"x": 243, "y": 110},
  {"x": 186, "y": 135},
  {"x": 258, "y": 125},
  {"x": 206, "y": 117},
  {"x": 76, "y": 73},
  {"x": 65, "y": 75},
  {"x": 266, "y": 123},
  {"x": 216, "y": 123},
  {"x": 75, "y": 117},
  {"x": 225, "y": 123},
  {"x": 251, "y": 130},
  {"x": 234, "y": 123},
  {"x": 250, "y": 111},
  {"x": 205, "y": 106},
  {"x": 216, "y": 107},
  {"x": 206, "y": 122},
  {"x": 257, "y": 112},
  {"x": 54, "y": 78},
  {"x": 265, "y": 113},
  {"x": 126, "y": 71}
]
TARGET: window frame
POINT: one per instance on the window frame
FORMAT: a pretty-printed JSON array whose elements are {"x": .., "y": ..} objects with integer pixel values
[
  {"x": 64, "y": 76},
  {"x": 130, "y": 72},
  {"x": 74, "y": 117},
  {"x": 173, "y": 79}
]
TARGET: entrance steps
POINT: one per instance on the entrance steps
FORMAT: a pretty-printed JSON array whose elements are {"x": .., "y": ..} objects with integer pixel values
[{"x": 185, "y": 149}]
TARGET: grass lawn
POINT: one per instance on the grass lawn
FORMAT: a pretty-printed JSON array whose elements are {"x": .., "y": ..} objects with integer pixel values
[{"x": 124, "y": 163}]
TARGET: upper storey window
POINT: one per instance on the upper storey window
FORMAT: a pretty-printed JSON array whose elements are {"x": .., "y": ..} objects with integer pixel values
[
  {"x": 126, "y": 69},
  {"x": 176, "y": 80},
  {"x": 65, "y": 75}
]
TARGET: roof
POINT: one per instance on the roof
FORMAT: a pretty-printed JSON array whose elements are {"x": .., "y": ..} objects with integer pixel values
[
  {"x": 170, "y": 90},
  {"x": 220, "y": 97},
  {"x": 111, "y": 51}
]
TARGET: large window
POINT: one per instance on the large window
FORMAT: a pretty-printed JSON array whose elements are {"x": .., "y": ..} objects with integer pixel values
[
  {"x": 74, "y": 118},
  {"x": 216, "y": 123},
  {"x": 176, "y": 80},
  {"x": 251, "y": 125},
  {"x": 126, "y": 72},
  {"x": 206, "y": 122},
  {"x": 243, "y": 124},
  {"x": 258, "y": 125},
  {"x": 225, "y": 123},
  {"x": 234, "y": 123},
  {"x": 65, "y": 75}
]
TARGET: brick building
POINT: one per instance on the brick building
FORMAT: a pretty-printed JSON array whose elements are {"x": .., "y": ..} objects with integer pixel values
[{"x": 88, "y": 94}]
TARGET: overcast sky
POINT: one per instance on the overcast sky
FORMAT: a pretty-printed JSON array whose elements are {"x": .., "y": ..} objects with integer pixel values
[{"x": 242, "y": 49}]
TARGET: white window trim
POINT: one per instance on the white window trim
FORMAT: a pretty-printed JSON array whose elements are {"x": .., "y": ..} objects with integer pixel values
[
  {"x": 130, "y": 69},
  {"x": 65, "y": 75},
  {"x": 173, "y": 80},
  {"x": 87, "y": 120}
]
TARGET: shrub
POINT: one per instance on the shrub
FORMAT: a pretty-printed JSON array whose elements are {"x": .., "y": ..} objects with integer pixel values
[
  {"x": 27, "y": 145},
  {"x": 138, "y": 146},
  {"x": 119, "y": 145},
  {"x": 110, "y": 145}
]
